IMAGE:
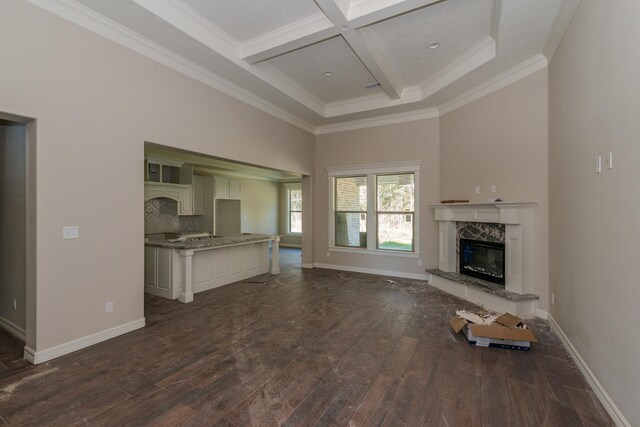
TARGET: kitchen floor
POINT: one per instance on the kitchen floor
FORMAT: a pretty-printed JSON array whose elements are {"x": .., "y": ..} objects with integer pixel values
[{"x": 309, "y": 347}]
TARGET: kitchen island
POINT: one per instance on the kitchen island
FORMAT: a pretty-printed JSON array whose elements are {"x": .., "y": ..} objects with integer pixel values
[{"x": 178, "y": 268}]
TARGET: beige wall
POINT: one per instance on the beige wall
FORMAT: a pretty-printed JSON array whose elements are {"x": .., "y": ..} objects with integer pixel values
[
  {"x": 502, "y": 140},
  {"x": 417, "y": 140},
  {"x": 13, "y": 215},
  {"x": 259, "y": 206},
  {"x": 96, "y": 103},
  {"x": 594, "y": 220}
]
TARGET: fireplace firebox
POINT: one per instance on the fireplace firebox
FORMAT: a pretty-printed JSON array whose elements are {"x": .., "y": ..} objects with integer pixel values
[{"x": 483, "y": 260}]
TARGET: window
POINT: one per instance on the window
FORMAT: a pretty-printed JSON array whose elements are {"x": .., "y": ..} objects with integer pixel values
[
  {"x": 351, "y": 211},
  {"x": 395, "y": 212},
  {"x": 294, "y": 207},
  {"x": 374, "y": 209}
]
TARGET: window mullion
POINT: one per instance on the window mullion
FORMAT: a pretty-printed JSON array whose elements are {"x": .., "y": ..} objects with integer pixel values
[{"x": 372, "y": 231}]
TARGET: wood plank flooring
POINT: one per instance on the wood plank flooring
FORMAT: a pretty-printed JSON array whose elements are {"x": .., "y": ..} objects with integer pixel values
[{"x": 310, "y": 347}]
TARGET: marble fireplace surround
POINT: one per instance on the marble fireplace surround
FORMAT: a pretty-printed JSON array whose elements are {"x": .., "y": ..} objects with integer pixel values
[{"x": 516, "y": 216}]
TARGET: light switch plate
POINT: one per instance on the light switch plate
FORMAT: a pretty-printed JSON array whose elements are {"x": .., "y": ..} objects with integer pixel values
[
  {"x": 70, "y": 232},
  {"x": 108, "y": 307}
]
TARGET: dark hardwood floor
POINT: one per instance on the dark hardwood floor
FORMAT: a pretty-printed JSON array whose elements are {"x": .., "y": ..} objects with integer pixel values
[{"x": 310, "y": 347}]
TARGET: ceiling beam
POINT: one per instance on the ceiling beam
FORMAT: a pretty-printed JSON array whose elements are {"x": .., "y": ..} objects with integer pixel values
[
  {"x": 372, "y": 11},
  {"x": 335, "y": 15},
  {"x": 350, "y": 17},
  {"x": 375, "y": 62},
  {"x": 177, "y": 14},
  {"x": 294, "y": 36}
]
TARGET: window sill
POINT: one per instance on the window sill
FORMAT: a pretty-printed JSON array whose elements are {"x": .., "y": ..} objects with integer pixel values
[
  {"x": 293, "y": 234},
  {"x": 397, "y": 254}
]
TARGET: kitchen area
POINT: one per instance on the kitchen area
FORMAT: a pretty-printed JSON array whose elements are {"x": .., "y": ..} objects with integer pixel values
[{"x": 208, "y": 222}]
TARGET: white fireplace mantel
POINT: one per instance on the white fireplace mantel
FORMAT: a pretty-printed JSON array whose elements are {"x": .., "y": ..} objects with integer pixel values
[{"x": 517, "y": 216}]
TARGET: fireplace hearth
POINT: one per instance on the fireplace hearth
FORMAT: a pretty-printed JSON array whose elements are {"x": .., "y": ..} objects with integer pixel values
[{"x": 483, "y": 260}]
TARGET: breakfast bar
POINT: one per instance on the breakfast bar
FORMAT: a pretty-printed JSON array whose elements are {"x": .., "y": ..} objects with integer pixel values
[{"x": 179, "y": 267}]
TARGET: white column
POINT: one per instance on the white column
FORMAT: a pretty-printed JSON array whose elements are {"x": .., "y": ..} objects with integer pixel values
[
  {"x": 187, "y": 273},
  {"x": 447, "y": 251},
  {"x": 275, "y": 256}
]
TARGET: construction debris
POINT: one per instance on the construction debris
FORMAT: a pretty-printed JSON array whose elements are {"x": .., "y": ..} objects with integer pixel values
[{"x": 504, "y": 331}]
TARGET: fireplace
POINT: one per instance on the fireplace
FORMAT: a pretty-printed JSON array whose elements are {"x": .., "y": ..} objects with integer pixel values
[{"x": 483, "y": 260}]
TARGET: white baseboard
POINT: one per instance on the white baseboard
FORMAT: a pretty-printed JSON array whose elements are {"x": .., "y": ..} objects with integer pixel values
[
  {"x": 307, "y": 265},
  {"x": 13, "y": 329},
  {"x": 600, "y": 392},
  {"x": 543, "y": 314},
  {"x": 42, "y": 356},
  {"x": 373, "y": 271}
]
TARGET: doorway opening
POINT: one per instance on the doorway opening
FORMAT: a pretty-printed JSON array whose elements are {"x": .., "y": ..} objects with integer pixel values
[
  {"x": 192, "y": 198},
  {"x": 17, "y": 232}
]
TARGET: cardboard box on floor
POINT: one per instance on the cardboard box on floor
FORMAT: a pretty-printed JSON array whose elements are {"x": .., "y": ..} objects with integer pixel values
[{"x": 507, "y": 331}]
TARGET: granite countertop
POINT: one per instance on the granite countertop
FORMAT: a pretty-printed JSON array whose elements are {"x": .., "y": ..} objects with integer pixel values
[{"x": 210, "y": 242}]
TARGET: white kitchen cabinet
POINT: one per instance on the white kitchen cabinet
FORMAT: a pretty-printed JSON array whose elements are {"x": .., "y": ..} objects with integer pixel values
[
  {"x": 235, "y": 189},
  {"x": 209, "y": 267},
  {"x": 226, "y": 188},
  {"x": 221, "y": 187},
  {"x": 161, "y": 272},
  {"x": 185, "y": 201},
  {"x": 198, "y": 187}
]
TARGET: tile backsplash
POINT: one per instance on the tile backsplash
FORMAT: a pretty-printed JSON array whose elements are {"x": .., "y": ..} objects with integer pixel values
[{"x": 161, "y": 215}]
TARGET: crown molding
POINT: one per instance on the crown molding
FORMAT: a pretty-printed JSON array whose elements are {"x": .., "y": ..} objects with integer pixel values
[
  {"x": 520, "y": 71},
  {"x": 388, "y": 119},
  {"x": 560, "y": 25},
  {"x": 92, "y": 21},
  {"x": 472, "y": 59}
]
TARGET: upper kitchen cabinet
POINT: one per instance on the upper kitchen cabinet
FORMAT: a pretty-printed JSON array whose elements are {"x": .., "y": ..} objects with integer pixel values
[
  {"x": 174, "y": 180},
  {"x": 197, "y": 184},
  {"x": 226, "y": 188},
  {"x": 198, "y": 187},
  {"x": 162, "y": 170}
]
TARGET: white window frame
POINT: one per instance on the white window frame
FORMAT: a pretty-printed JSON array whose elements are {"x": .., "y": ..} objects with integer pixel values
[
  {"x": 288, "y": 187},
  {"x": 370, "y": 171}
]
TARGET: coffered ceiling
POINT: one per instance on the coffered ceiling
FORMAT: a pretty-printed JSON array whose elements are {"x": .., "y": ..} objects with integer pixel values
[{"x": 329, "y": 64}]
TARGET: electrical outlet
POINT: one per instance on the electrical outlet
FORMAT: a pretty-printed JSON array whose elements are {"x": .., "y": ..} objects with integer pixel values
[
  {"x": 70, "y": 232},
  {"x": 493, "y": 188},
  {"x": 419, "y": 262},
  {"x": 328, "y": 254},
  {"x": 477, "y": 189},
  {"x": 14, "y": 303},
  {"x": 108, "y": 307},
  {"x": 553, "y": 298}
]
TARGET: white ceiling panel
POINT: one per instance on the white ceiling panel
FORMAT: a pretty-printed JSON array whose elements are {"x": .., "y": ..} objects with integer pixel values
[
  {"x": 246, "y": 19},
  {"x": 306, "y": 67},
  {"x": 457, "y": 25}
]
